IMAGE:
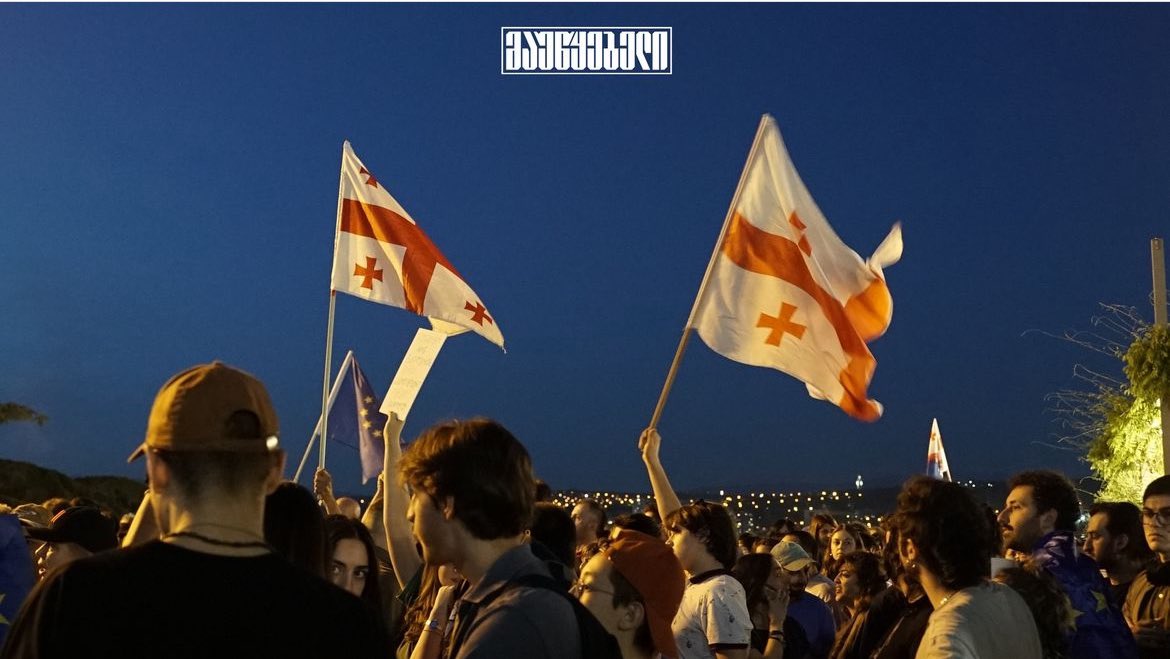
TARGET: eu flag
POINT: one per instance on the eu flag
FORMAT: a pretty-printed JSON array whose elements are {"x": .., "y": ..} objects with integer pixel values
[{"x": 354, "y": 420}]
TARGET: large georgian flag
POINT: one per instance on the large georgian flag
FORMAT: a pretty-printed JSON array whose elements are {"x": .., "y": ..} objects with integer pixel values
[
  {"x": 382, "y": 255},
  {"x": 786, "y": 293}
]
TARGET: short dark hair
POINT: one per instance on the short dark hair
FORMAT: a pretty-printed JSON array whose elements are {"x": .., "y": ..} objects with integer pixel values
[
  {"x": 711, "y": 524},
  {"x": 543, "y": 491},
  {"x": 295, "y": 527},
  {"x": 1160, "y": 486},
  {"x": 553, "y": 528},
  {"x": 624, "y": 594},
  {"x": 194, "y": 472},
  {"x": 602, "y": 518},
  {"x": 1051, "y": 491},
  {"x": 1124, "y": 518},
  {"x": 483, "y": 468},
  {"x": 947, "y": 527},
  {"x": 639, "y": 522}
]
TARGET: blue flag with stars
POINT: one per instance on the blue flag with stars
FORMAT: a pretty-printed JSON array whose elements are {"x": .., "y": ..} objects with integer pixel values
[
  {"x": 17, "y": 573},
  {"x": 354, "y": 420}
]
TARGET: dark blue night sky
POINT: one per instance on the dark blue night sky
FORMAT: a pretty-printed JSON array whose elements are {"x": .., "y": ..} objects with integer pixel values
[{"x": 168, "y": 180}]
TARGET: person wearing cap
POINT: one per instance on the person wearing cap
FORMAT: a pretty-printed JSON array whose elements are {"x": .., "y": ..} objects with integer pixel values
[
  {"x": 809, "y": 611},
  {"x": 72, "y": 534},
  {"x": 633, "y": 587},
  {"x": 209, "y": 586}
]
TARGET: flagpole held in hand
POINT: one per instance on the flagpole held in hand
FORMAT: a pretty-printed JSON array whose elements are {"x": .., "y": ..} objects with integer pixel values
[
  {"x": 329, "y": 326},
  {"x": 317, "y": 430},
  {"x": 686, "y": 335}
]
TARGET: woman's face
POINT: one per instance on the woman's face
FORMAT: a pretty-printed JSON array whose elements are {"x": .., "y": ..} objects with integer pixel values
[
  {"x": 848, "y": 587},
  {"x": 350, "y": 567},
  {"x": 841, "y": 543}
]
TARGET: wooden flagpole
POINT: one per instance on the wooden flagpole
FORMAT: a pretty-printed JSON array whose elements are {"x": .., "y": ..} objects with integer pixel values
[
  {"x": 686, "y": 335},
  {"x": 329, "y": 327},
  {"x": 1158, "y": 261},
  {"x": 345, "y": 363}
]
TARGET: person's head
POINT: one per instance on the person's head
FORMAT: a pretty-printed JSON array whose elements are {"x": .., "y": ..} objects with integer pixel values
[
  {"x": 859, "y": 578},
  {"x": 821, "y": 527},
  {"x": 1114, "y": 535},
  {"x": 939, "y": 528},
  {"x": 349, "y": 507},
  {"x": 842, "y": 541},
  {"x": 747, "y": 543},
  {"x": 762, "y": 579},
  {"x": 1156, "y": 516},
  {"x": 211, "y": 444},
  {"x": 295, "y": 528},
  {"x": 589, "y": 520},
  {"x": 1045, "y": 597},
  {"x": 635, "y": 522},
  {"x": 796, "y": 564},
  {"x": 701, "y": 531},
  {"x": 74, "y": 533},
  {"x": 1038, "y": 503},
  {"x": 553, "y": 528},
  {"x": 806, "y": 541},
  {"x": 353, "y": 566},
  {"x": 543, "y": 491},
  {"x": 634, "y": 587},
  {"x": 470, "y": 481}
]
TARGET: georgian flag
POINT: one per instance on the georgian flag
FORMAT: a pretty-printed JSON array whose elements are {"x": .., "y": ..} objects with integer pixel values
[
  {"x": 382, "y": 255},
  {"x": 784, "y": 292},
  {"x": 936, "y": 456}
]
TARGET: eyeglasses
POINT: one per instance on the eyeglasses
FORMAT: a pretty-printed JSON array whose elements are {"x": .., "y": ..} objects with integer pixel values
[
  {"x": 578, "y": 589},
  {"x": 1162, "y": 517}
]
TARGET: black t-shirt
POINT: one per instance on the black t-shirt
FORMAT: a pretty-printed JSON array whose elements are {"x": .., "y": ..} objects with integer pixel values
[
  {"x": 902, "y": 640},
  {"x": 159, "y": 600}
]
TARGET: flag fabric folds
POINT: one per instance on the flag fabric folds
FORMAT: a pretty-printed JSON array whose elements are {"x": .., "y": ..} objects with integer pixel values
[
  {"x": 354, "y": 420},
  {"x": 382, "y": 255},
  {"x": 936, "y": 456},
  {"x": 785, "y": 292}
]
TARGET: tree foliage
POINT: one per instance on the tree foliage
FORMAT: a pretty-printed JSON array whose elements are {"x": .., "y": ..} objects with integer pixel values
[
  {"x": 16, "y": 412},
  {"x": 1114, "y": 422}
]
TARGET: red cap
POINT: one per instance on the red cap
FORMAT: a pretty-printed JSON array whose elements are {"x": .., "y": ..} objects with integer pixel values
[{"x": 652, "y": 569}]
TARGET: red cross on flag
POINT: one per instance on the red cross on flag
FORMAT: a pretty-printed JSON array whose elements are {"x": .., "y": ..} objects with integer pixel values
[
  {"x": 784, "y": 292},
  {"x": 382, "y": 255}
]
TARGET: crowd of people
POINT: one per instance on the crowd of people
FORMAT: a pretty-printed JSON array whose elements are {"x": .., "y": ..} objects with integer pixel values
[{"x": 461, "y": 554}]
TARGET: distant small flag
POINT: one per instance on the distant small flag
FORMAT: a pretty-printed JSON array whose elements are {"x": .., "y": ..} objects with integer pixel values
[
  {"x": 936, "y": 456},
  {"x": 354, "y": 420}
]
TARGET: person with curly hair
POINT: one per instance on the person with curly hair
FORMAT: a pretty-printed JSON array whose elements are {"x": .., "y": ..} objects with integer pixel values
[
  {"x": 944, "y": 542},
  {"x": 859, "y": 580}
]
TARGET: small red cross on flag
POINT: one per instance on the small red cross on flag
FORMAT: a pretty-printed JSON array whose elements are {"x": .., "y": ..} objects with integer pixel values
[{"x": 375, "y": 231}]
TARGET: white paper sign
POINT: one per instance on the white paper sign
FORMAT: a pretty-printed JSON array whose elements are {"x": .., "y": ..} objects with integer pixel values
[{"x": 412, "y": 372}]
